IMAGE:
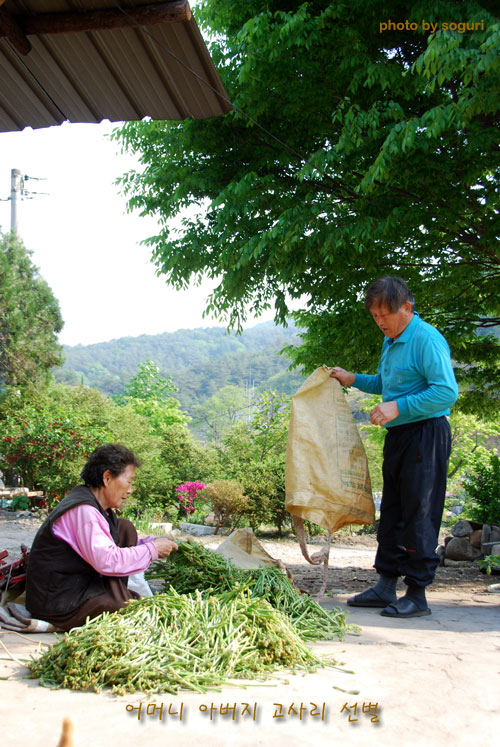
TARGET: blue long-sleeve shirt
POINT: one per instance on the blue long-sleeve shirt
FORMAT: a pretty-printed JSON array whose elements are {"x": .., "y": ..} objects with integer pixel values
[{"x": 415, "y": 371}]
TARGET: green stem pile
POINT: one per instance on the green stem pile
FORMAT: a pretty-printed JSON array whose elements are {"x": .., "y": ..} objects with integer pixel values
[
  {"x": 194, "y": 568},
  {"x": 170, "y": 642},
  {"x": 215, "y": 623}
]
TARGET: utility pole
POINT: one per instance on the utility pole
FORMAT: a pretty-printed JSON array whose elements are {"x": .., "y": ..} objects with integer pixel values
[
  {"x": 250, "y": 387},
  {"x": 15, "y": 194},
  {"x": 18, "y": 192}
]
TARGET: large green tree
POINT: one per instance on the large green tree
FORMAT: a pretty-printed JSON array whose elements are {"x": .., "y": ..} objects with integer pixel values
[
  {"x": 355, "y": 149},
  {"x": 29, "y": 318},
  {"x": 150, "y": 394}
]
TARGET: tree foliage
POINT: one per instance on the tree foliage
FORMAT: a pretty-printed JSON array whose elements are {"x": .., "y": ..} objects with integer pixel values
[
  {"x": 150, "y": 394},
  {"x": 351, "y": 152},
  {"x": 215, "y": 416},
  {"x": 227, "y": 500},
  {"x": 29, "y": 318},
  {"x": 482, "y": 485},
  {"x": 254, "y": 454},
  {"x": 200, "y": 361},
  {"x": 48, "y": 429}
]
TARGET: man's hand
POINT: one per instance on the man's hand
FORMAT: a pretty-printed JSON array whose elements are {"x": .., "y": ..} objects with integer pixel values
[
  {"x": 164, "y": 545},
  {"x": 384, "y": 413},
  {"x": 345, "y": 378}
]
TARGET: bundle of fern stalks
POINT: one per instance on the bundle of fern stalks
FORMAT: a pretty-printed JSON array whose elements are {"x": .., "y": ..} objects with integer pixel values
[
  {"x": 214, "y": 623},
  {"x": 194, "y": 568}
]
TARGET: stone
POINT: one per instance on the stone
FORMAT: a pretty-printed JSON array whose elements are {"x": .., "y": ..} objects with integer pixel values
[
  {"x": 198, "y": 530},
  {"x": 449, "y": 563},
  {"x": 495, "y": 550},
  {"x": 462, "y": 528},
  {"x": 487, "y": 548},
  {"x": 440, "y": 552},
  {"x": 485, "y": 533},
  {"x": 447, "y": 539},
  {"x": 494, "y": 534},
  {"x": 461, "y": 549},
  {"x": 475, "y": 538},
  {"x": 210, "y": 520}
]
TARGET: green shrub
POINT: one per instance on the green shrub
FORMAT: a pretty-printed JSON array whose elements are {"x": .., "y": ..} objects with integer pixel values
[
  {"x": 482, "y": 485},
  {"x": 227, "y": 501}
]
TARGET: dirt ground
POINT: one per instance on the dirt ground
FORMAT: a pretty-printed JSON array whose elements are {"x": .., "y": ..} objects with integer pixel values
[{"x": 431, "y": 680}]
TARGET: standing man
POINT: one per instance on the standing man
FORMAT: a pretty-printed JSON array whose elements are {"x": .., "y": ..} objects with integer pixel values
[{"x": 415, "y": 378}]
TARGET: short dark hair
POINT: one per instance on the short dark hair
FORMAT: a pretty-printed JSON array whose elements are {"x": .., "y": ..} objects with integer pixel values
[
  {"x": 114, "y": 457},
  {"x": 391, "y": 291}
]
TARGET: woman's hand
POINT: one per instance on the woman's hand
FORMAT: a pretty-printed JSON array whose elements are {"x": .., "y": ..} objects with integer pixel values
[
  {"x": 345, "y": 378},
  {"x": 164, "y": 545}
]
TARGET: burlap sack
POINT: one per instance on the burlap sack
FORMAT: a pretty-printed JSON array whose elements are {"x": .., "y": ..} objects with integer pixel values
[
  {"x": 244, "y": 550},
  {"x": 327, "y": 479}
]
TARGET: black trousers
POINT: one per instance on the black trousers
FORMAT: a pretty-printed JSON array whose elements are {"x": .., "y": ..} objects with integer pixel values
[{"x": 414, "y": 471}]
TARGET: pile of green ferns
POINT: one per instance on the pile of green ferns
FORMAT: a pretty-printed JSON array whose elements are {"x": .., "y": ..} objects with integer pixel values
[{"x": 216, "y": 623}]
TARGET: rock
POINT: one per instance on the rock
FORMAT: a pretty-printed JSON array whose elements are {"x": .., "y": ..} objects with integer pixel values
[
  {"x": 485, "y": 533},
  {"x": 196, "y": 529},
  {"x": 495, "y": 550},
  {"x": 475, "y": 538},
  {"x": 456, "y": 510},
  {"x": 462, "y": 528},
  {"x": 447, "y": 539},
  {"x": 494, "y": 534},
  {"x": 210, "y": 520},
  {"x": 487, "y": 548},
  {"x": 461, "y": 549},
  {"x": 449, "y": 563}
]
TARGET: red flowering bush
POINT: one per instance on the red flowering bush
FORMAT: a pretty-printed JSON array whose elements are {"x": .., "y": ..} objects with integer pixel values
[
  {"x": 187, "y": 494},
  {"x": 48, "y": 452}
]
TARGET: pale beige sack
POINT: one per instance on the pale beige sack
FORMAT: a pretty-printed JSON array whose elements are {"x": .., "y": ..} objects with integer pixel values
[
  {"x": 327, "y": 479},
  {"x": 244, "y": 550}
]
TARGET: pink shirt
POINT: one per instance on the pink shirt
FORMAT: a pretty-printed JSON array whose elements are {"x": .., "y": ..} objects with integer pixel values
[{"x": 86, "y": 530}]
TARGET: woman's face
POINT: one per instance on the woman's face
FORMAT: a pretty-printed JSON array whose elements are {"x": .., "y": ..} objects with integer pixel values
[{"x": 117, "y": 489}]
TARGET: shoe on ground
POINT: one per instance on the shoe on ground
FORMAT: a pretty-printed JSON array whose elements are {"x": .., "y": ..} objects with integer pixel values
[
  {"x": 370, "y": 598},
  {"x": 405, "y": 607}
]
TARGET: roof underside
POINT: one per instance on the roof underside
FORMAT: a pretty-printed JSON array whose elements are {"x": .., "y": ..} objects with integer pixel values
[{"x": 161, "y": 68}]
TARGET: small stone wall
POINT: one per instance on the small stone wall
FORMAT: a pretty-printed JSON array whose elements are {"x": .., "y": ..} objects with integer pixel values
[{"x": 469, "y": 541}]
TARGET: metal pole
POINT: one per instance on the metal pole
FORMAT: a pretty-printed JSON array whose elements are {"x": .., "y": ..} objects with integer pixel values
[{"x": 15, "y": 192}]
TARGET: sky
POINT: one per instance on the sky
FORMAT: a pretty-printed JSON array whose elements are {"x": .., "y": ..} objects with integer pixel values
[{"x": 85, "y": 244}]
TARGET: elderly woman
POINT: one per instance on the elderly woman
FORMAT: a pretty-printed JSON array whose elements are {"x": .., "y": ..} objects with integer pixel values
[{"x": 82, "y": 554}]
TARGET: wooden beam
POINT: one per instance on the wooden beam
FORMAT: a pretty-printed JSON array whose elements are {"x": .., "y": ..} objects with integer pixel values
[
  {"x": 102, "y": 20},
  {"x": 10, "y": 28}
]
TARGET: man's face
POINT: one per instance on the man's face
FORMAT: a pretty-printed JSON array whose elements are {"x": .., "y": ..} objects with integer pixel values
[{"x": 392, "y": 323}]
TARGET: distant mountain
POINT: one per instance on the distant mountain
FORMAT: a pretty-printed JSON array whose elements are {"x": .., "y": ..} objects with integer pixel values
[{"x": 200, "y": 361}]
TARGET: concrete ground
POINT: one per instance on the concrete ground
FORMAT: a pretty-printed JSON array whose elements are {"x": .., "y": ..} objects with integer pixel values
[{"x": 429, "y": 681}]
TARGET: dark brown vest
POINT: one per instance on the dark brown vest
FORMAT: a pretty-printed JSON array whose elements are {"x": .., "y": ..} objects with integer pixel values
[{"x": 58, "y": 579}]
